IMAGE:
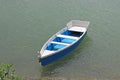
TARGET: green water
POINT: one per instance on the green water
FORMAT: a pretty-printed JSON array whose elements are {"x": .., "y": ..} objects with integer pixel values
[{"x": 25, "y": 25}]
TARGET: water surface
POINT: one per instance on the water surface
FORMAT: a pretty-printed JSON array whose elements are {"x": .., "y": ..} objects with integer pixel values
[{"x": 25, "y": 25}]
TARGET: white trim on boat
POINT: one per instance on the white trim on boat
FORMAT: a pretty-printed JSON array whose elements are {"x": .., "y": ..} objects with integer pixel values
[
  {"x": 70, "y": 37},
  {"x": 46, "y": 53}
]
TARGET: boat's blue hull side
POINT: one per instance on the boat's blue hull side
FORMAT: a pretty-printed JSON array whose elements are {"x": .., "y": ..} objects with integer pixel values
[{"x": 56, "y": 56}]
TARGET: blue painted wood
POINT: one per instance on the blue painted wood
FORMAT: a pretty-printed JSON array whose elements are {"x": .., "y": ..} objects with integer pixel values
[{"x": 57, "y": 56}]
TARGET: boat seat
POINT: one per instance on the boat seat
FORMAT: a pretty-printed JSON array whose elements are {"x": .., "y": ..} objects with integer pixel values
[
  {"x": 77, "y": 29},
  {"x": 65, "y": 36},
  {"x": 60, "y": 43}
]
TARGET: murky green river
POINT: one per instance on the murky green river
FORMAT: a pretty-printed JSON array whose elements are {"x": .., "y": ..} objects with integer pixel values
[{"x": 25, "y": 25}]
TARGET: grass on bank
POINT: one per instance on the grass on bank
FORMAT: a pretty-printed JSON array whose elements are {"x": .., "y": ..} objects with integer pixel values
[{"x": 7, "y": 72}]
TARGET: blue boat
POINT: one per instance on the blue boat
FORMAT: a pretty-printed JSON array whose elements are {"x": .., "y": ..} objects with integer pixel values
[{"x": 63, "y": 42}]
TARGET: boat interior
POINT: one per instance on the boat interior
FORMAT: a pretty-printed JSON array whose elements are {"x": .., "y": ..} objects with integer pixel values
[
  {"x": 61, "y": 41},
  {"x": 54, "y": 47},
  {"x": 72, "y": 33},
  {"x": 64, "y": 40}
]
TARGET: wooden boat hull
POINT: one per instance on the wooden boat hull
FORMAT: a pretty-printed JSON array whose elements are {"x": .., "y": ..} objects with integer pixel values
[{"x": 49, "y": 59}]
